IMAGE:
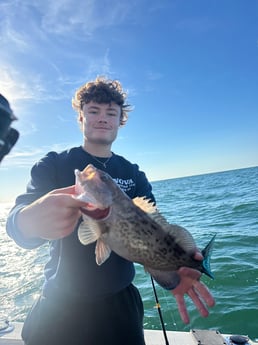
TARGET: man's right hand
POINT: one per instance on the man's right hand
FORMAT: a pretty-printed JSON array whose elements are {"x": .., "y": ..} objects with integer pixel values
[{"x": 53, "y": 216}]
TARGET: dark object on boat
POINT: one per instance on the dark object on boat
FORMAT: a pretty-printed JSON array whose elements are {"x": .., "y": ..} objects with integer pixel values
[
  {"x": 239, "y": 339},
  {"x": 5, "y": 327},
  {"x": 212, "y": 337},
  {"x": 8, "y": 135}
]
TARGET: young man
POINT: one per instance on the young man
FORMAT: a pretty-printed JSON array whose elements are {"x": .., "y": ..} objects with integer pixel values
[{"x": 81, "y": 302}]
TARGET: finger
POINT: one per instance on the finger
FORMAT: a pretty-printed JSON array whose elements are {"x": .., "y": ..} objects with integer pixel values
[
  {"x": 198, "y": 302},
  {"x": 66, "y": 190},
  {"x": 182, "y": 308},
  {"x": 198, "y": 256},
  {"x": 69, "y": 197},
  {"x": 204, "y": 293},
  {"x": 190, "y": 273}
]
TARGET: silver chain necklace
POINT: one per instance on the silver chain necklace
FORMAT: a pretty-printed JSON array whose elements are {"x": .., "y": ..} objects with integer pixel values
[{"x": 102, "y": 163}]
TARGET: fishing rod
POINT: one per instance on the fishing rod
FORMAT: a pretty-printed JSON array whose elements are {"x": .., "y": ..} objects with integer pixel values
[{"x": 159, "y": 311}]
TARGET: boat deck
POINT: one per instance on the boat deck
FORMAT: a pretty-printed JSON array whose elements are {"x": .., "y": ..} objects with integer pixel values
[{"x": 152, "y": 337}]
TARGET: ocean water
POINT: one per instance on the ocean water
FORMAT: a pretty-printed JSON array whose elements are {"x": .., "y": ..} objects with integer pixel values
[{"x": 224, "y": 203}]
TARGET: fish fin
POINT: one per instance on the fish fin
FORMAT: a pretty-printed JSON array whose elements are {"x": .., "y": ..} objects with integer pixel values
[
  {"x": 102, "y": 252},
  {"x": 166, "y": 279},
  {"x": 206, "y": 252},
  {"x": 150, "y": 208},
  {"x": 145, "y": 205},
  {"x": 180, "y": 234},
  {"x": 88, "y": 233}
]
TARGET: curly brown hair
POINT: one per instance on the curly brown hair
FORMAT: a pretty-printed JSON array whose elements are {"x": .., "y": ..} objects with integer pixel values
[{"x": 102, "y": 90}]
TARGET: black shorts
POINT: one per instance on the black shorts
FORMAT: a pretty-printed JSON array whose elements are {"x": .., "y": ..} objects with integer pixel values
[{"x": 115, "y": 320}]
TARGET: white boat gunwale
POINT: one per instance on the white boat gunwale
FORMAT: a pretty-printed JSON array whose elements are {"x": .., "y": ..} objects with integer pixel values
[{"x": 152, "y": 337}]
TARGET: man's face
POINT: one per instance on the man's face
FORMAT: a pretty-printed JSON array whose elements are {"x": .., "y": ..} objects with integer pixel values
[{"x": 100, "y": 122}]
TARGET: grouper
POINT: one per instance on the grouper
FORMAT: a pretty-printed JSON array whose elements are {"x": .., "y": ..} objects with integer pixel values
[{"x": 134, "y": 229}]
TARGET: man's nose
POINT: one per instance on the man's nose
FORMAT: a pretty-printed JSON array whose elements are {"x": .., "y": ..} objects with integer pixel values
[{"x": 102, "y": 116}]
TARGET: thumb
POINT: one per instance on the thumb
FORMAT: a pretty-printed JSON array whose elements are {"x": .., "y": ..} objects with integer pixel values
[
  {"x": 70, "y": 195},
  {"x": 65, "y": 190}
]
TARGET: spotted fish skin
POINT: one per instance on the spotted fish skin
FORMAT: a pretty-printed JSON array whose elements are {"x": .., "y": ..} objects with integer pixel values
[{"x": 134, "y": 229}]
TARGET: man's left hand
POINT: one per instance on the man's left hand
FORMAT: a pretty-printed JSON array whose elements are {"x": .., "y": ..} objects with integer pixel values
[{"x": 196, "y": 290}]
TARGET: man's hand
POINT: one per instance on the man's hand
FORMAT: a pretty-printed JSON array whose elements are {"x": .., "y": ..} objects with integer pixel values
[
  {"x": 196, "y": 290},
  {"x": 54, "y": 215}
]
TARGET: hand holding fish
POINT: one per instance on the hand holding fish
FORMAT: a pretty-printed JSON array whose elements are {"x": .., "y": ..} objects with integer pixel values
[
  {"x": 196, "y": 290},
  {"x": 53, "y": 216}
]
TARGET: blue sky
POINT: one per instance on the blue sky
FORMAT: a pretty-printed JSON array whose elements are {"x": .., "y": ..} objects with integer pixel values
[{"x": 190, "y": 69}]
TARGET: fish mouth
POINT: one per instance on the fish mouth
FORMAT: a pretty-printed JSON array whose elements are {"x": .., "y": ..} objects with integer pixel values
[{"x": 96, "y": 213}]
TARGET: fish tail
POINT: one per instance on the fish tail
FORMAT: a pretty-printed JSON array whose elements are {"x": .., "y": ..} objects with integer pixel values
[{"x": 206, "y": 252}]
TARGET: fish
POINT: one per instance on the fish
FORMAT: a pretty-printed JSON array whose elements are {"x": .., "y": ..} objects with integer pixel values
[{"x": 134, "y": 229}]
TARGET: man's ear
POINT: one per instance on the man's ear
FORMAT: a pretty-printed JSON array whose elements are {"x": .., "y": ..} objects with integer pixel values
[{"x": 80, "y": 117}]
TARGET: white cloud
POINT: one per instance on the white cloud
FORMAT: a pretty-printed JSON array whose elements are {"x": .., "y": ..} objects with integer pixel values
[
  {"x": 66, "y": 16},
  {"x": 62, "y": 17},
  {"x": 18, "y": 26},
  {"x": 39, "y": 40},
  {"x": 11, "y": 37},
  {"x": 27, "y": 156},
  {"x": 22, "y": 158},
  {"x": 15, "y": 84}
]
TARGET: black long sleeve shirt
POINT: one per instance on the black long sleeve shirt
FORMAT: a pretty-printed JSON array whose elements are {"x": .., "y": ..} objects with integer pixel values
[{"x": 71, "y": 271}]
